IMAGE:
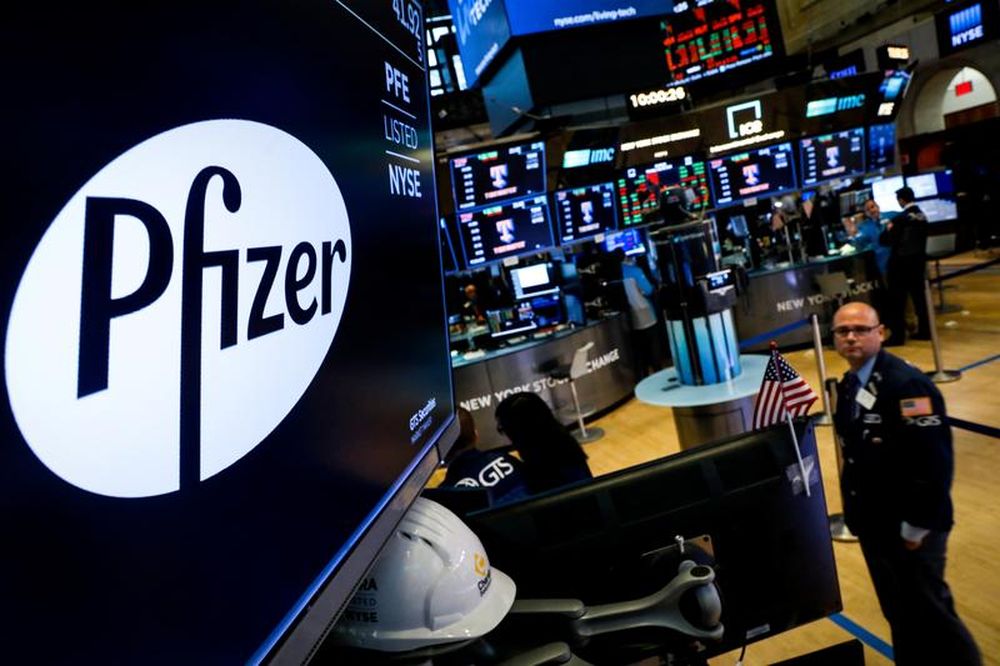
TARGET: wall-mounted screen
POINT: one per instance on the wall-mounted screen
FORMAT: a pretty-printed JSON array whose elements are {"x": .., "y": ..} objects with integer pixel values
[
  {"x": 967, "y": 24},
  {"x": 529, "y": 16},
  {"x": 640, "y": 188},
  {"x": 498, "y": 174},
  {"x": 707, "y": 39},
  {"x": 507, "y": 230},
  {"x": 482, "y": 30},
  {"x": 217, "y": 432},
  {"x": 884, "y": 193},
  {"x": 629, "y": 240},
  {"x": 829, "y": 156},
  {"x": 585, "y": 212},
  {"x": 762, "y": 172},
  {"x": 881, "y": 146}
]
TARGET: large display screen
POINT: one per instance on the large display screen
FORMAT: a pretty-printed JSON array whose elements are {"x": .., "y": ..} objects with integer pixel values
[
  {"x": 585, "y": 212},
  {"x": 498, "y": 174},
  {"x": 508, "y": 230},
  {"x": 829, "y": 156},
  {"x": 528, "y": 16},
  {"x": 639, "y": 188},
  {"x": 482, "y": 30},
  {"x": 762, "y": 172},
  {"x": 881, "y": 146},
  {"x": 967, "y": 24},
  {"x": 208, "y": 429},
  {"x": 706, "y": 39}
]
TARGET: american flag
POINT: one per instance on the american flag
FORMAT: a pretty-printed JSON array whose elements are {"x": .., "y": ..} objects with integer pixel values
[{"x": 782, "y": 392}]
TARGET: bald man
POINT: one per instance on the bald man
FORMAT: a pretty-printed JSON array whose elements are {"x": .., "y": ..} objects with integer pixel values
[{"x": 896, "y": 485}]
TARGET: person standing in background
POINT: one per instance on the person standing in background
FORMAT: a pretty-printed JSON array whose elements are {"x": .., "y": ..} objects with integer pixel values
[
  {"x": 906, "y": 237},
  {"x": 896, "y": 484}
]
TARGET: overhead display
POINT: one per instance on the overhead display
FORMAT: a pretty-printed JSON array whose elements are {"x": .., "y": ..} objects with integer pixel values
[
  {"x": 585, "y": 212},
  {"x": 829, "y": 156},
  {"x": 508, "y": 230},
  {"x": 217, "y": 431},
  {"x": 881, "y": 146},
  {"x": 640, "y": 189},
  {"x": 528, "y": 16},
  {"x": 498, "y": 174},
  {"x": 482, "y": 30},
  {"x": 762, "y": 172},
  {"x": 717, "y": 37},
  {"x": 967, "y": 24}
]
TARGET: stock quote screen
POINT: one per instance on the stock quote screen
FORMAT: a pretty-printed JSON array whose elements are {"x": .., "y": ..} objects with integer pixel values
[
  {"x": 499, "y": 174},
  {"x": 831, "y": 156},
  {"x": 762, "y": 172},
  {"x": 506, "y": 230},
  {"x": 639, "y": 189},
  {"x": 718, "y": 36}
]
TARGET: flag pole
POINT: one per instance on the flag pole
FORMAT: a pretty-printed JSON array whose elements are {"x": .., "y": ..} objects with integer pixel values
[{"x": 791, "y": 426}]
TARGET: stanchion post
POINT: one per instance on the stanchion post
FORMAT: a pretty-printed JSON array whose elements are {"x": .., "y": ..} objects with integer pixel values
[
  {"x": 826, "y": 418},
  {"x": 940, "y": 375},
  {"x": 838, "y": 528}
]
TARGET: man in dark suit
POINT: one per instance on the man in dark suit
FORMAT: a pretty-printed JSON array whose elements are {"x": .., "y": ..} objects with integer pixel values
[
  {"x": 906, "y": 236},
  {"x": 896, "y": 485}
]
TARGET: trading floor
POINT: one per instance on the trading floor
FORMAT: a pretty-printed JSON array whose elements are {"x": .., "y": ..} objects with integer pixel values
[{"x": 637, "y": 432}]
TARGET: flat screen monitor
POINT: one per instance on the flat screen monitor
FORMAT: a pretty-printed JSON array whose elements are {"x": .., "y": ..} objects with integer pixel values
[
  {"x": 533, "y": 280},
  {"x": 640, "y": 189},
  {"x": 585, "y": 212},
  {"x": 931, "y": 185},
  {"x": 939, "y": 209},
  {"x": 530, "y": 315},
  {"x": 704, "y": 40},
  {"x": 498, "y": 174},
  {"x": 482, "y": 30},
  {"x": 762, "y": 172},
  {"x": 449, "y": 260},
  {"x": 629, "y": 240},
  {"x": 884, "y": 193},
  {"x": 507, "y": 230},
  {"x": 830, "y": 156},
  {"x": 770, "y": 543},
  {"x": 218, "y": 431},
  {"x": 881, "y": 146}
]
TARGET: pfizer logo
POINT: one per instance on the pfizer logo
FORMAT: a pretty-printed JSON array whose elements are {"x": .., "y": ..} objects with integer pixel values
[{"x": 178, "y": 307}]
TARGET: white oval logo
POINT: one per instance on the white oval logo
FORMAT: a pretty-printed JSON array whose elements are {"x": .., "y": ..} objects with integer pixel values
[{"x": 178, "y": 307}]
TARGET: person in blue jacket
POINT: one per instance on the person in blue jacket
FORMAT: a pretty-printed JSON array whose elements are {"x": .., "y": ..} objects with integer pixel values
[
  {"x": 896, "y": 485},
  {"x": 864, "y": 234}
]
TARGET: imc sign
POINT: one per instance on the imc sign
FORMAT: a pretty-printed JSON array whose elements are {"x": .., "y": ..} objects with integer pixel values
[{"x": 200, "y": 277}]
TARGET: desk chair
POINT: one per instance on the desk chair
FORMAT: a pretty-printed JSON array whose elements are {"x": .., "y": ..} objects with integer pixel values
[
  {"x": 938, "y": 247},
  {"x": 576, "y": 369}
]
